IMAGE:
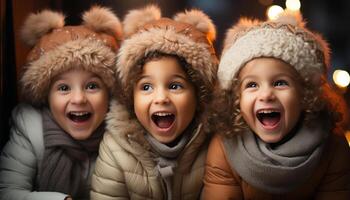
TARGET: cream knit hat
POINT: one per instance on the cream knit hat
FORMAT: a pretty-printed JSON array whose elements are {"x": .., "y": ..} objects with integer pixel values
[
  {"x": 285, "y": 38},
  {"x": 58, "y": 48}
]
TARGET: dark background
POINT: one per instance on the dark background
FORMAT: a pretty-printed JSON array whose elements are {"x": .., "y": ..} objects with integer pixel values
[{"x": 329, "y": 18}]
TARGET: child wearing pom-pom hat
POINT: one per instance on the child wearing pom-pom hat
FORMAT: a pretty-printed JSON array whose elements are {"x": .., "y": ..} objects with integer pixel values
[
  {"x": 156, "y": 143},
  {"x": 67, "y": 85},
  {"x": 277, "y": 117}
]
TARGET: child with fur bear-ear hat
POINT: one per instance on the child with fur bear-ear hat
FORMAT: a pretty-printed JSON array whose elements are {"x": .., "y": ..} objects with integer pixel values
[
  {"x": 279, "y": 127},
  {"x": 156, "y": 141},
  {"x": 66, "y": 86}
]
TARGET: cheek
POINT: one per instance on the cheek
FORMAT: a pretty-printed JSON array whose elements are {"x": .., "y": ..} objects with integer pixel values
[
  {"x": 188, "y": 104},
  {"x": 246, "y": 106},
  {"x": 55, "y": 103},
  {"x": 140, "y": 104},
  {"x": 103, "y": 104},
  {"x": 244, "y": 103}
]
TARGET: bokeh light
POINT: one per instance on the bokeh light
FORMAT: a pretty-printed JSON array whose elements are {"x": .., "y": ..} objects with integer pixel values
[
  {"x": 274, "y": 11},
  {"x": 293, "y": 5},
  {"x": 341, "y": 78}
]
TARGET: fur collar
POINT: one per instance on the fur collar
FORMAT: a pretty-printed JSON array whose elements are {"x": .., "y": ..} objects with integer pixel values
[{"x": 129, "y": 134}]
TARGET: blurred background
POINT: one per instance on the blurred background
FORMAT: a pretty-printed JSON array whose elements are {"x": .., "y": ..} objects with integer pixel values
[{"x": 329, "y": 18}]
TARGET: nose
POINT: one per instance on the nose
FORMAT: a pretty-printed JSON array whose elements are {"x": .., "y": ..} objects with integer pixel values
[
  {"x": 266, "y": 94},
  {"x": 161, "y": 96},
  {"x": 78, "y": 97}
]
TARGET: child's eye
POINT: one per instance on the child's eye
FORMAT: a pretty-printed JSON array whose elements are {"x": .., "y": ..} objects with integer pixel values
[
  {"x": 251, "y": 85},
  {"x": 92, "y": 86},
  {"x": 63, "y": 88},
  {"x": 146, "y": 87},
  {"x": 175, "y": 86},
  {"x": 280, "y": 83}
]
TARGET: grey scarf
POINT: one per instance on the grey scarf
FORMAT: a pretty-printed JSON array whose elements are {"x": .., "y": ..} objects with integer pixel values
[
  {"x": 166, "y": 162},
  {"x": 62, "y": 168},
  {"x": 278, "y": 169}
]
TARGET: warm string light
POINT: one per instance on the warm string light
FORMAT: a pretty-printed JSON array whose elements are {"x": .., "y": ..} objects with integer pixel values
[
  {"x": 274, "y": 10},
  {"x": 293, "y": 5},
  {"x": 341, "y": 78}
]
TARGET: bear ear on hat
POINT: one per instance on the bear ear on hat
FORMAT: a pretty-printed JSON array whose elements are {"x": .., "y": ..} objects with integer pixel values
[
  {"x": 138, "y": 17},
  {"x": 198, "y": 19},
  {"x": 101, "y": 19},
  {"x": 37, "y": 25}
]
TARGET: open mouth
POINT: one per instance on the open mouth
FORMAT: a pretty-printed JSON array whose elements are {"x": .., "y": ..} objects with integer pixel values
[
  {"x": 79, "y": 116},
  {"x": 163, "y": 120},
  {"x": 268, "y": 118}
]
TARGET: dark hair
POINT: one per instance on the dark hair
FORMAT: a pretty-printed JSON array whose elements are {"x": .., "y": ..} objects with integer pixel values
[
  {"x": 317, "y": 99},
  {"x": 203, "y": 94}
]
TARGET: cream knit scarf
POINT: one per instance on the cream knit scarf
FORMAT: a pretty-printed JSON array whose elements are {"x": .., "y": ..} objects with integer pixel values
[
  {"x": 278, "y": 169},
  {"x": 62, "y": 168}
]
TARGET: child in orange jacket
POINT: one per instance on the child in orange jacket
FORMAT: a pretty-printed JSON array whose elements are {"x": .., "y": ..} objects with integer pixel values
[{"x": 278, "y": 117}]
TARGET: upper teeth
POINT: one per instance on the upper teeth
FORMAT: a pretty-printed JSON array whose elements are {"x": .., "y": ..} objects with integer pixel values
[
  {"x": 162, "y": 114},
  {"x": 79, "y": 113},
  {"x": 266, "y": 111}
]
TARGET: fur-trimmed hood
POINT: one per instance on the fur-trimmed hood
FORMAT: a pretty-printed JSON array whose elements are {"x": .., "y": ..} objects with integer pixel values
[
  {"x": 189, "y": 36},
  {"x": 130, "y": 135},
  {"x": 57, "y": 48}
]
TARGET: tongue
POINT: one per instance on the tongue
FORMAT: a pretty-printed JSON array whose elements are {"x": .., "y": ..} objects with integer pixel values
[
  {"x": 164, "y": 122},
  {"x": 270, "y": 121}
]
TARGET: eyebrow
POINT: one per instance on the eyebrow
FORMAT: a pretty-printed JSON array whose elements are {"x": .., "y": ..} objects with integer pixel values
[{"x": 173, "y": 76}]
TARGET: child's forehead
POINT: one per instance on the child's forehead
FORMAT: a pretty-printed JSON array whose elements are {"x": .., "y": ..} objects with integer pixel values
[{"x": 164, "y": 66}]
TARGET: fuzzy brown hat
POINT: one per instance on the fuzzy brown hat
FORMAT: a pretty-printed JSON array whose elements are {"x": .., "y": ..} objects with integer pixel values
[
  {"x": 57, "y": 48},
  {"x": 285, "y": 38},
  {"x": 188, "y": 35}
]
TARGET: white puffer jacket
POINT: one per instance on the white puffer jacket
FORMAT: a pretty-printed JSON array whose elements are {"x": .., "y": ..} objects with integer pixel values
[{"x": 21, "y": 155}]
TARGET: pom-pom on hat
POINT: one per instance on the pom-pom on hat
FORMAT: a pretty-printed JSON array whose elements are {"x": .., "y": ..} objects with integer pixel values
[
  {"x": 188, "y": 35},
  {"x": 58, "y": 48},
  {"x": 285, "y": 38}
]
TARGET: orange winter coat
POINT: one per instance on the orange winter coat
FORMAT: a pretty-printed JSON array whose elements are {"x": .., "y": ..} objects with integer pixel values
[{"x": 330, "y": 180}]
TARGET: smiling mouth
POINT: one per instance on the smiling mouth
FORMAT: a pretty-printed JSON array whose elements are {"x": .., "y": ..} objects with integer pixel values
[
  {"x": 163, "y": 120},
  {"x": 268, "y": 118},
  {"x": 79, "y": 116}
]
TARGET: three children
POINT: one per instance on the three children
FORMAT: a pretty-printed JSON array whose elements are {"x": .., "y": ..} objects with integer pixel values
[{"x": 275, "y": 118}]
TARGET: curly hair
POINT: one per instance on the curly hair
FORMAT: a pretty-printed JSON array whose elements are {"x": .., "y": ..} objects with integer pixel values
[
  {"x": 203, "y": 94},
  {"x": 318, "y": 98}
]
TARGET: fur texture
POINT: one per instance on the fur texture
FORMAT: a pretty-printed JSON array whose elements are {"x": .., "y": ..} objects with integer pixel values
[
  {"x": 90, "y": 47},
  {"x": 137, "y": 18},
  {"x": 38, "y": 76},
  {"x": 37, "y": 25},
  {"x": 170, "y": 37},
  {"x": 101, "y": 19},
  {"x": 195, "y": 54},
  {"x": 199, "y": 20}
]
